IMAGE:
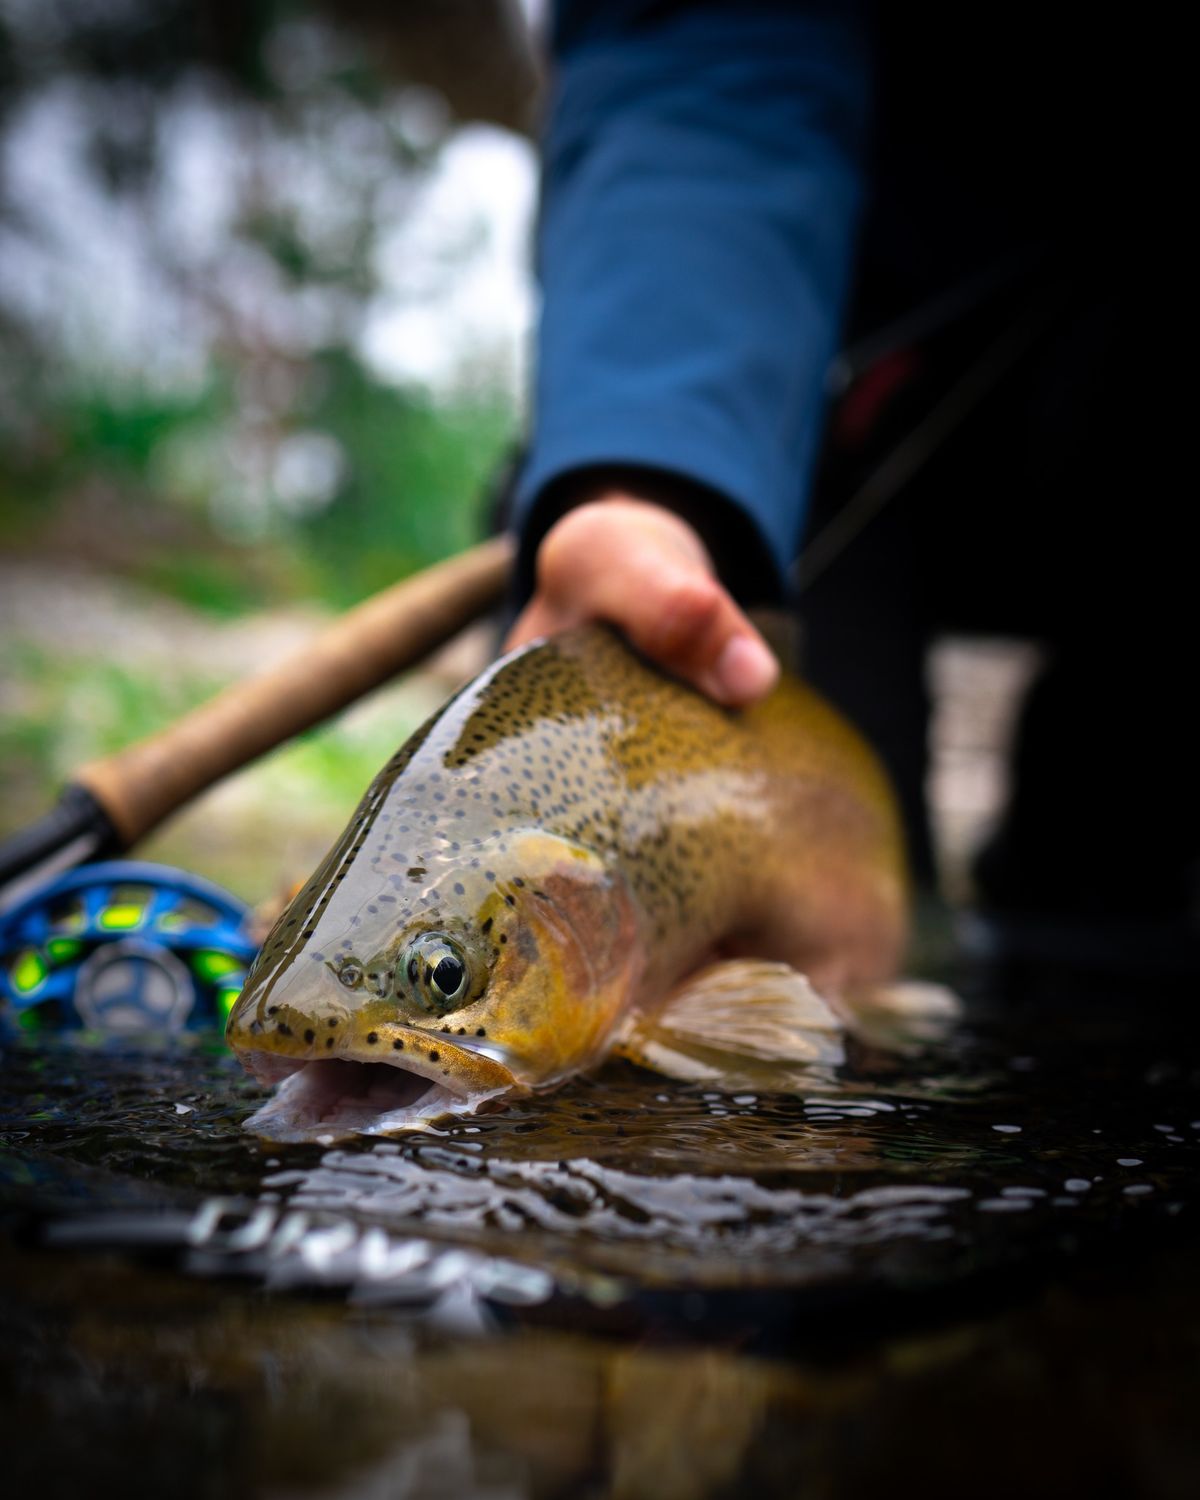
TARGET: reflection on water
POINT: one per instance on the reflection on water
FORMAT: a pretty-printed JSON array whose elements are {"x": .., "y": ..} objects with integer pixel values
[
  {"x": 465, "y": 1270},
  {"x": 971, "y": 1155},
  {"x": 726, "y": 1220}
]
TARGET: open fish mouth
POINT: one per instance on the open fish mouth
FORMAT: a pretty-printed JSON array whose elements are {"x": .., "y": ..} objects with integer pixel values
[{"x": 330, "y": 1098}]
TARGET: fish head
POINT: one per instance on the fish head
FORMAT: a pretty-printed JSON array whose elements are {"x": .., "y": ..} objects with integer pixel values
[{"x": 509, "y": 972}]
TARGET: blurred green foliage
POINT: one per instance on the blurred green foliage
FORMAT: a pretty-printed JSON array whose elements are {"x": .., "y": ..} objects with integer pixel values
[
  {"x": 64, "y": 708},
  {"x": 417, "y": 478},
  {"x": 236, "y": 448},
  {"x": 412, "y": 488},
  {"x": 197, "y": 205}
]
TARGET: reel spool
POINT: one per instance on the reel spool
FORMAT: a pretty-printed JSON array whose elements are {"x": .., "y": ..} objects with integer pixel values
[{"x": 124, "y": 946}]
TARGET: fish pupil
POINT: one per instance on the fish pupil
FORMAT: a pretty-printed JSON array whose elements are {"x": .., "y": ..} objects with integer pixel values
[{"x": 448, "y": 975}]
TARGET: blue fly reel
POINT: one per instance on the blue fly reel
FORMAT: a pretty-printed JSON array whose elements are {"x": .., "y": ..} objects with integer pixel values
[{"x": 124, "y": 946}]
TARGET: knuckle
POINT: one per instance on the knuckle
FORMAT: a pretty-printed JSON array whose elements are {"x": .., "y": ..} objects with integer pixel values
[{"x": 684, "y": 616}]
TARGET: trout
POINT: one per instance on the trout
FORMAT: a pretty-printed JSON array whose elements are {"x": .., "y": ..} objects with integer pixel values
[{"x": 547, "y": 872}]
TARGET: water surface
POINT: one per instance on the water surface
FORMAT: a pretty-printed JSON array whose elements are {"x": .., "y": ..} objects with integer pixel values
[{"x": 627, "y": 1259}]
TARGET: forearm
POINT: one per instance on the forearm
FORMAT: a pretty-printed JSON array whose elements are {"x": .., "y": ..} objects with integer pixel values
[{"x": 700, "y": 204}]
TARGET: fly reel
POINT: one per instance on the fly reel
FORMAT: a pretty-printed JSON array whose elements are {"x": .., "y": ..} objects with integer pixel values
[{"x": 125, "y": 947}]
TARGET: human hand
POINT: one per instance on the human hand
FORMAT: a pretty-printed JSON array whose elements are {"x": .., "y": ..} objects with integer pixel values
[{"x": 644, "y": 569}]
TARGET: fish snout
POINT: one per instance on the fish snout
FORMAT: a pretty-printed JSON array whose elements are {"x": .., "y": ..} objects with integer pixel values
[{"x": 259, "y": 1023}]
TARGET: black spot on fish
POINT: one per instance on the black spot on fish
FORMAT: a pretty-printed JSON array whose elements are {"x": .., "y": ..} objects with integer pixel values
[
  {"x": 434, "y": 1056},
  {"x": 481, "y": 1031},
  {"x": 372, "y": 1037},
  {"x": 284, "y": 1029},
  {"x": 397, "y": 1045},
  {"x": 310, "y": 1035}
]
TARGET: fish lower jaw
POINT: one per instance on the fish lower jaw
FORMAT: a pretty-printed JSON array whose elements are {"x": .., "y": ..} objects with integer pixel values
[{"x": 324, "y": 1100}]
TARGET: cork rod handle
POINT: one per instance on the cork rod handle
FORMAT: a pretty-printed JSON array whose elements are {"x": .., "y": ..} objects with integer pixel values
[{"x": 143, "y": 784}]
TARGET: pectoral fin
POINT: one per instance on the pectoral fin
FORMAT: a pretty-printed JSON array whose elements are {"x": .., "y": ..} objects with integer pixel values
[
  {"x": 743, "y": 1023},
  {"x": 903, "y": 1016}
]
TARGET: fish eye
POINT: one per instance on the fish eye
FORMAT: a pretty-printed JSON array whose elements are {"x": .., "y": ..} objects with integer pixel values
[{"x": 437, "y": 972}]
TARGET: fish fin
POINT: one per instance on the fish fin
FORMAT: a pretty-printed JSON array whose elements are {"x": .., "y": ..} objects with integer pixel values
[
  {"x": 902, "y": 1015},
  {"x": 742, "y": 1023}
]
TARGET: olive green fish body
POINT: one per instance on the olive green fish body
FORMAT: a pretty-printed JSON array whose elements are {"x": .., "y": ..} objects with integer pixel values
[{"x": 567, "y": 838}]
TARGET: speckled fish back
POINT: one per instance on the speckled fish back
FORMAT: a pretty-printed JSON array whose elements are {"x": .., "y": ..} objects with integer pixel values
[{"x": 713, "y": 817}]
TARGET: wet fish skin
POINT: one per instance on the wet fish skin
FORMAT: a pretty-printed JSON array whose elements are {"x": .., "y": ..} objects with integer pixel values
[{"x": 576, "y": 832}]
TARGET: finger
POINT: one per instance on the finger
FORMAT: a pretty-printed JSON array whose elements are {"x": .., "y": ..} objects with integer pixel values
[
  {"x": 703, "y": 636},
  {"x": 663, "y": 596},
  {"x": 745, "y": 671}
]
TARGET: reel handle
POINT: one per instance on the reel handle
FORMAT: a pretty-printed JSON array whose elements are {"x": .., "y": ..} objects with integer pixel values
[{"x": 140, "y": 786}]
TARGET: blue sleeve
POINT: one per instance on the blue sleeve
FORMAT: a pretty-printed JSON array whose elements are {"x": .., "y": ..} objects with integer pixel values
[{"x": 701, "y": 191}]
